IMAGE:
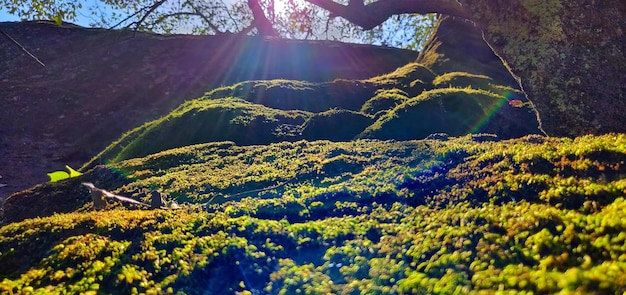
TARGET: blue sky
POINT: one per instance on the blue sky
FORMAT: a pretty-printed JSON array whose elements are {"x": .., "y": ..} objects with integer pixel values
[
  {"x": 82, "y": 16},
  {"x": 5, "y": 17}
]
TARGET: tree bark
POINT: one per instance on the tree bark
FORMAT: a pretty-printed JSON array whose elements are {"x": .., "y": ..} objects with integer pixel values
[
  {"x": 260, "y": 21},
  {"x": 568, "y": 55},
  {"x": 370, "y": 15}
]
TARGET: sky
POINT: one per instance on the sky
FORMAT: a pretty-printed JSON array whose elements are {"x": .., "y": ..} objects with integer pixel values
[
  {"x": 83, "y": 16},
  {"x": 6, "y": 17}
]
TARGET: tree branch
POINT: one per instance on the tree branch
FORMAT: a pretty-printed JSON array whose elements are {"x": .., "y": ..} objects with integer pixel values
[
  {"x": 150, "y": 9},
  {"x": 205, "y": 18},
  {"x": 373, "y": 14},
  {"x": 263, "y": 25},
  {"x": 235, "y": 23},
  {"x": 186, "y": 13},
  {"x": 22, "y": 47}
]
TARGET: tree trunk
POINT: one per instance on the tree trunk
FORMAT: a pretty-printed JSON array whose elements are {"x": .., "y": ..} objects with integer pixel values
[{"x": 568, "y": 55}]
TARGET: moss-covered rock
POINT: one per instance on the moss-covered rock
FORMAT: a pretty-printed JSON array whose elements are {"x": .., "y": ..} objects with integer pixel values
[
  {"x": 384, "y": 100},
  {"x": 336, "y": 125},
  {"x": 455, "y": 111},
  {"x": 204, "y": 120},
  {"x": 261, "y": 112},
  {"x": 468, "y": 215},
  {"x": 412, "y": 78},
  {"x": 300, "y": 95},
  {"x": 472, "y": 214}
]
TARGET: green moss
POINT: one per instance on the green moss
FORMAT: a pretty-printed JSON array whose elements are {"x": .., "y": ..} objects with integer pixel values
[
  {"x": 263, "y": 211},
  {"x": 299, "y": 95},
  {"x": 336, "y": 125},
  {"x": 453, "y": 111},
  {"x": 465, "y": 215},
  {"x": 412, "y": 78},
  {"x": 271, "y": 111},
  {"x": 201, "y": 121},
  {"x": 460, "y": 79},
  {"x": 384, "y": 99}
]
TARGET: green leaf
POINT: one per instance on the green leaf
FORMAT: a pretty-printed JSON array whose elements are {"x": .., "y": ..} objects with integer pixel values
[
  {"x": 57, "y": 19},
  {"x": 73, "y": 173},
  {"x": 58, "y": 175}
]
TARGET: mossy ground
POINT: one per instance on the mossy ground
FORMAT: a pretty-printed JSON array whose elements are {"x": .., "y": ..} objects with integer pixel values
[{"x": 464, "y": 215}]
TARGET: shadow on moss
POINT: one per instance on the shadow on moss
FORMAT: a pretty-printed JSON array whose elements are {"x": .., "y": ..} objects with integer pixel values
[{"x": 335, "y": 125}]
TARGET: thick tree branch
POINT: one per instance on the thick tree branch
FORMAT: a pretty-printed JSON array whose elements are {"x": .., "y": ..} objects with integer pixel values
[
  {"x": 373, "y": 14},
  {"x": 263, "y": 25}
]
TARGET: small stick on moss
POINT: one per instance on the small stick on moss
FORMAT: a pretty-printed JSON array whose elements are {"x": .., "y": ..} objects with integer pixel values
[
  {"x": 22, "y": 47},
  {"x": 233, "y": 196}
]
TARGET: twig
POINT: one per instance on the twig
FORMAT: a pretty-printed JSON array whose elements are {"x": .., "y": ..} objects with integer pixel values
[
  {"x": 127, "y": 18},
  {"x": 22, "y": 47},
  {"x": 256, "y": 190},
  {"x": 205, "y": 18},
  {"x": 246, "y": 192},
  {"x": 151, "y": 9},
  {"x": 211, "y": 26},
  {"x": 230, "y": 16}
]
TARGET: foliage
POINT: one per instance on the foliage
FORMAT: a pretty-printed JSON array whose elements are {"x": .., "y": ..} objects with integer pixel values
[
  {"x": 466, "y": 215},
  {"x": 404, "y": 31},
  {"x": 45, "y": 9}
]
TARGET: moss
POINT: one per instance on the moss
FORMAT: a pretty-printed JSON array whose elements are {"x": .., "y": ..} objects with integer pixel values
[
  {"x": 452, "y": 111},
  {"x": 203, "y": 121},
  {"x": 265, "y": 111},
  {"x": 299, "y": 95},
  {"x": 534, "y": 214},
  {"x": 384, "y": 99},
  {"x": 263, "y": 211},
  {"x": 412, "y": 78},
  {"x": 336, "y": 125},
  {"x": 261, "y": 112},
  {"x": 463, "y": 80}
]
